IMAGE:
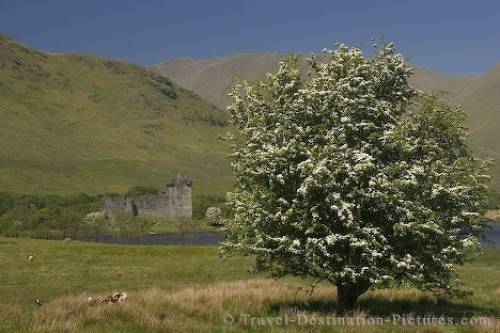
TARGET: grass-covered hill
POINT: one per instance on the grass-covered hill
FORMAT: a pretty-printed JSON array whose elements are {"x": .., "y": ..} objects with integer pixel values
[
  {"x": 78, "y": 123},
  {"x": 479, "y": 95}
]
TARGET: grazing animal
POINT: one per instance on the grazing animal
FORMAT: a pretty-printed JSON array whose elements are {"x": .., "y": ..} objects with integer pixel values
[
  {"x": 116, "y": 298},
  {"x": 31, "y": 258},
  {"x": 38, "y": 302}
]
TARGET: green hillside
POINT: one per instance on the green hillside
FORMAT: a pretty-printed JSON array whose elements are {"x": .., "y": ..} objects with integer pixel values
[{"x": 78, "y": 123}]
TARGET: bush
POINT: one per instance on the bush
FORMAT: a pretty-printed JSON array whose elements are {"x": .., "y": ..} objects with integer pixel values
[
  {"x": 202, "y": 203},
  {"x": 214, "y": 216}
]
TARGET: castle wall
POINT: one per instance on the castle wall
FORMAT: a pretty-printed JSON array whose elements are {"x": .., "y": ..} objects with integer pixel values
[
  {"x": 184, "y": 205},
  {"x": 156, "y": 205},
  {"x": 172, "y": 202},
  {"x": 114, "y": 207}
]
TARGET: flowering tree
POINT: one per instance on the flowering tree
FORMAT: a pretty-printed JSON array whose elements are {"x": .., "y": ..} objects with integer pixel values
[
  {"x": 94, "y": 223},
  {"x": 353, "y": 177},
  {"x": 214, "y": 216}
]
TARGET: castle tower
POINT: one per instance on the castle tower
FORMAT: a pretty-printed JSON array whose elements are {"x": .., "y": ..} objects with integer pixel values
[
  {"x": 130, "y": 207},
  {"x": 179, "y": 196}
]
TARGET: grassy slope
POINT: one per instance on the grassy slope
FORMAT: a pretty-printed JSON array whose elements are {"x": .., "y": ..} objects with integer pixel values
[
  {"x": 479, "y": 96},
  {"x": 197, "y": 74},
  {"x": 64, "y": 269},
  {"x": 77, "y": 123}
]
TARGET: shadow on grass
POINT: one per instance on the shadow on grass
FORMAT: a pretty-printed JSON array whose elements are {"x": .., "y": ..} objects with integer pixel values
[
  {"x": 383, "y": 308},
  {"x": 386, "y": 308}
]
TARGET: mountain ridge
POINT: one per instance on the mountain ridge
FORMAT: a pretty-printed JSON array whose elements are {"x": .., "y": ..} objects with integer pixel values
[
  {"x": 478, "y": 95},
  {"x": 424, "y": 77}
]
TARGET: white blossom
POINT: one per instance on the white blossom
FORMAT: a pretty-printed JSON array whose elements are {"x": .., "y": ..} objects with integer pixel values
[{"x": 339, "y": 178}]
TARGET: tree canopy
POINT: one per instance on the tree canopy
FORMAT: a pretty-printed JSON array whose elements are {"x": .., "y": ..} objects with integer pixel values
[{"x": 349, "y": 175}]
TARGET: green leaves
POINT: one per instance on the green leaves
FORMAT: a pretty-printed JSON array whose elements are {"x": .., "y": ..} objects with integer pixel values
[{"x": 351, "y": 175}]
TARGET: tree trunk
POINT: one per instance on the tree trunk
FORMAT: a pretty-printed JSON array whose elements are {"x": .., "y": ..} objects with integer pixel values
[{"x": 347, "y": 296}]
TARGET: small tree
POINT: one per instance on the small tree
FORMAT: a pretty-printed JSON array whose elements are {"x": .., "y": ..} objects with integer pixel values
[
  {"x": 214, "y": 216},
  {"x": 94, "y": 224},
  {"x": 145, "y": 224},
  {"x": 188, "y": 229},
  {"x": 15, "y": 221},
  {"x": 127, "y": 226},
  {"x": 353, "y": 177},
  {"x": 72, "y": 222}
]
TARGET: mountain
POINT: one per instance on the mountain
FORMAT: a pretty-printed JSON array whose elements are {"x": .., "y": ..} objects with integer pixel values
[
  {"x": 212, "y": 79},
  {"x": 80, "y": 123}
]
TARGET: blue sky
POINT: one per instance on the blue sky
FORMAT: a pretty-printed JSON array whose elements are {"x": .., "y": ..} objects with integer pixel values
[{"x": 455, "y": 37}]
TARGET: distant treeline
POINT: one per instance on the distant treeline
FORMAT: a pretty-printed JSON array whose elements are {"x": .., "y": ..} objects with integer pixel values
[
  {"x": 58, "y": 217},
  {"x": 49, "y": 216},
  {"x": 75, "y": 216}
]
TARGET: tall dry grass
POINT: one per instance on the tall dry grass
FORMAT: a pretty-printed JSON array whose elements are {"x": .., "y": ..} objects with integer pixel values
[
  {"x": 493, "y": 214},
  {"x": 206, "y": 309}
]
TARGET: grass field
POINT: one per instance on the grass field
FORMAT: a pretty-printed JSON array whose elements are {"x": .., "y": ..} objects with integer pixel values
[{"x": 191, "y": 289}]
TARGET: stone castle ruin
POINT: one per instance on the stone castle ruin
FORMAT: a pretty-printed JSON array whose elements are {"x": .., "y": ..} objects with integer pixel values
[{"x": 172, "y": 201}]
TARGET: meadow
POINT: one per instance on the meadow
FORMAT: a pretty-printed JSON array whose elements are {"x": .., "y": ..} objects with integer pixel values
[{"x": 192, "y": 289}]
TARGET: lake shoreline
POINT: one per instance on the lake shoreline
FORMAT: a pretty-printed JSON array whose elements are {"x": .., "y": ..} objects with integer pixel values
[{"x": 215, "y": 238}]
